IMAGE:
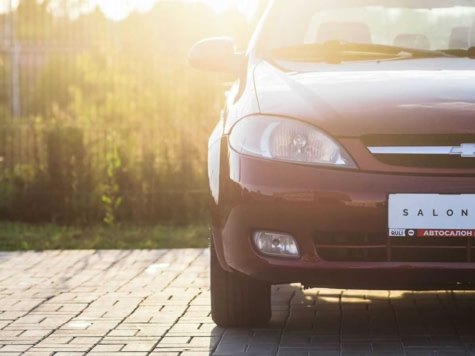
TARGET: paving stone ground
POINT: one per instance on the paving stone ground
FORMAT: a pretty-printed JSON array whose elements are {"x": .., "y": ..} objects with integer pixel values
[{"x": 157, "y": 303}]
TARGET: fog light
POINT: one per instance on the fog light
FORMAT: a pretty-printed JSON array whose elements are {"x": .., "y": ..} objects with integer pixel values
[{"x": 276, "y": 244}]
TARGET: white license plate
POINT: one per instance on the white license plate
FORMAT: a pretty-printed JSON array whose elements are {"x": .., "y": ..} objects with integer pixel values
[{"x": 431, "y": 215}]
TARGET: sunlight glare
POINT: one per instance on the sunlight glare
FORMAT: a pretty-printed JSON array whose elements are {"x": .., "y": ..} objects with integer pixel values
[
  {"x": 247, "y": 7},
  {"x": 119, "y": 9},
  {"x": 7, "y": 5}
]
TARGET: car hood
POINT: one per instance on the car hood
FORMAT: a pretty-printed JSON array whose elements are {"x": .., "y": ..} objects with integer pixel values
[{"x": 426, "y": 96}]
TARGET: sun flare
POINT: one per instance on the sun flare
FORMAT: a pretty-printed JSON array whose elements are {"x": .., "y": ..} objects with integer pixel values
[
  {"x": 119, "y": 9},
  {"x": 247, "y": 7}
]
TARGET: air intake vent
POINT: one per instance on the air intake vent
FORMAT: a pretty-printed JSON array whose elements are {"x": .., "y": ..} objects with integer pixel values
[{"x": 374, "y": 247}]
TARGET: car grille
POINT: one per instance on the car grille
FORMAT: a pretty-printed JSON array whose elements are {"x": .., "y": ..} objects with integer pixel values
[
  {"x": 420, "y": 160},
  {"x": 374, "y": 247},
  {"x": 427, "y": 161}
]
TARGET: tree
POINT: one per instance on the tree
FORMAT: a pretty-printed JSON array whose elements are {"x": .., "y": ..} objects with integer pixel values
[{"x": 33, "y": 22}]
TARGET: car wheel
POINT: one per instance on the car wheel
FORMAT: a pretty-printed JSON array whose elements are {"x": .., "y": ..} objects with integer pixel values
[{"x": 237, "y": 300}]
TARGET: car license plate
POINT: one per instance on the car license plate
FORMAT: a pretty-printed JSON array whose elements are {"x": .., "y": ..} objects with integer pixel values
[{"x": 431, "y": 215}]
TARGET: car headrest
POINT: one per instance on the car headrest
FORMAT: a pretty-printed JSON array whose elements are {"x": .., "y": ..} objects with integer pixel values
[
  {"x": 459, "y": 38},
  {"x": 412, "y": 40},
  {"x": 344, "y": 31}
]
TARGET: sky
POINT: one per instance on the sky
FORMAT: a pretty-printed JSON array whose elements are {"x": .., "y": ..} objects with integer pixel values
[{"x": 118, "y": 9}]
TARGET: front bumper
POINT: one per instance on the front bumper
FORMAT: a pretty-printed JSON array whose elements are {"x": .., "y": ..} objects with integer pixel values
[{"x": 303, "y": 201}]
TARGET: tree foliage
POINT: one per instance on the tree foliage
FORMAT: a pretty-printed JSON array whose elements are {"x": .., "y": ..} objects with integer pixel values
[{"x": 115, "y": 123}]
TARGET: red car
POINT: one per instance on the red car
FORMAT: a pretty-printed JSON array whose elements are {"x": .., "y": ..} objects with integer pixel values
[{"x": 345, "y": 156}]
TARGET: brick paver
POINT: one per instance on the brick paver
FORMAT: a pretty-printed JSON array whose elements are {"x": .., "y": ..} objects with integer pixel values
[{"x": 157, "y": 303}]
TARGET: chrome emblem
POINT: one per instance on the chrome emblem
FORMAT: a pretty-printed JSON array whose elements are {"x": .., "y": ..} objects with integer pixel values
[{"x": 464, "y": 150}]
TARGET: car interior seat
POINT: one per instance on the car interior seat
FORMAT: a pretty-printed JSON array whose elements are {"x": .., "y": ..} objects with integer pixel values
[
  {"x": 412, "y": 40},
  {"x": 344, "y": 31},
  {"x": 472, "y": 36},
  {"x": 459, "y": 38}
]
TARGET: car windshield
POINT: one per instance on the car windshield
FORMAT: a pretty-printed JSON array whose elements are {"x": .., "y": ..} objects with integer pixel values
[{"x": 306, "y": 30}]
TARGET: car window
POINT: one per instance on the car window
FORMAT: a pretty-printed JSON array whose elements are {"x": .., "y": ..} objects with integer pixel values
[
  {"x": 422, "y": 24},
  {"x": 417, "y": 28}
]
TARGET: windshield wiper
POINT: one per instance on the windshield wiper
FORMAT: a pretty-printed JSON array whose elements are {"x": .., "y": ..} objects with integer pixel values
[
  {"x": 459, "y": 52},
  {"x": 336, "y": 52}
]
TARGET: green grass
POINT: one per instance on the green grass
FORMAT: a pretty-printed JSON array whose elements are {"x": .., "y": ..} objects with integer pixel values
[{"x": 22, "y": 237}]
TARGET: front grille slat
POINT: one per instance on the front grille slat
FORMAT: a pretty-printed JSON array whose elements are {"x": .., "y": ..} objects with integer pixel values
[
  {"x": 438, "y": 161},
  {"x": 427, "y": 161},
  {"x": 418, "y": 140},
  {"x": 430, "y": 247},
  {"x": 353, "y": 247},
  {"x": 371, "y": 247}
]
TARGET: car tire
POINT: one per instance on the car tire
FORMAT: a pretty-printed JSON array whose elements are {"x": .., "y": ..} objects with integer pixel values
[{"x": 237, "y": 300}]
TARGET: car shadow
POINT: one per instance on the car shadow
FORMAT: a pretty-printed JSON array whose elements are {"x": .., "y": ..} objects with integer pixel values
[{"x": 357, "y": 322}]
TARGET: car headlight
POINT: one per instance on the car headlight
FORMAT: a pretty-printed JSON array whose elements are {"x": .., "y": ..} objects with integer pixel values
[{"x": 287, "y": 140}]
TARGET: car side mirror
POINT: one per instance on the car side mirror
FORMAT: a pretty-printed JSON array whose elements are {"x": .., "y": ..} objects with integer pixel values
[{"x": 217, "y": 54}]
